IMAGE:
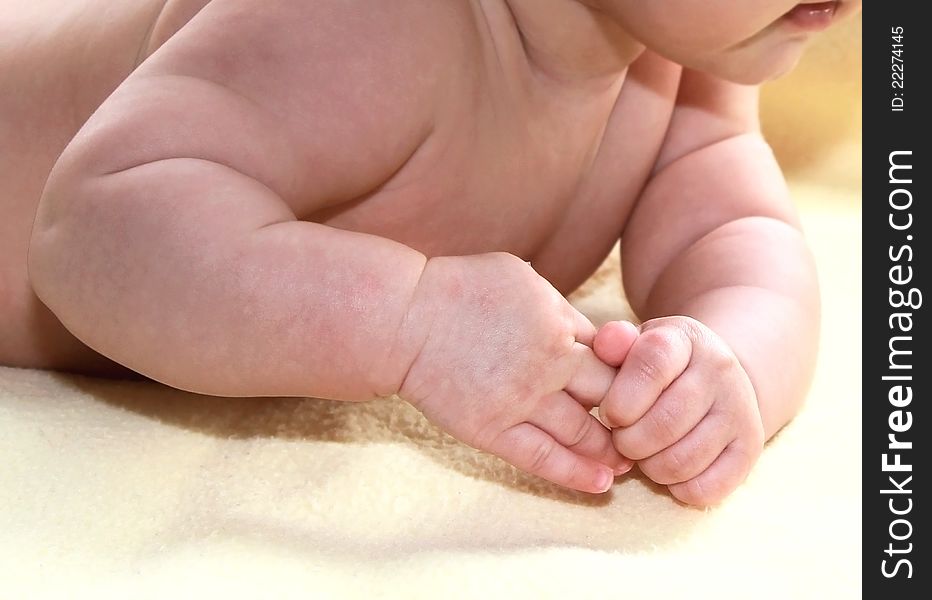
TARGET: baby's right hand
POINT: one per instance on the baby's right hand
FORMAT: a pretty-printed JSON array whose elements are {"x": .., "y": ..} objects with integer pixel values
[{"x": 506, "y": 366}]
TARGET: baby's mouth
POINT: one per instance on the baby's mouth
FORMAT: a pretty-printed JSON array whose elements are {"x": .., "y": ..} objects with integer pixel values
[{"x": 812, "y": 16}]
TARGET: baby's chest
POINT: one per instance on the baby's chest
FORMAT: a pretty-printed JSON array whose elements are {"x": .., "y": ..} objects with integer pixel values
[{"x": 556, "y": 193}]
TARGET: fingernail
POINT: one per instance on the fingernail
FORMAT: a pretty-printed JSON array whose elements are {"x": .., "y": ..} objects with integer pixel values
[
  {"x": 604, "y": 418},
  {"x": 622, "y": 469},
  {"x": 604, "y": 481}
]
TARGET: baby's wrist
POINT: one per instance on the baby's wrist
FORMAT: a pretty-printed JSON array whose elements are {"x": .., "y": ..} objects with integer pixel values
[{"x": 420, "y": 316}]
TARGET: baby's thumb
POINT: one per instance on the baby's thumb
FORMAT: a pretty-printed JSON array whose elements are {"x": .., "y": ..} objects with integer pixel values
[{"x": 613, "y": 341}]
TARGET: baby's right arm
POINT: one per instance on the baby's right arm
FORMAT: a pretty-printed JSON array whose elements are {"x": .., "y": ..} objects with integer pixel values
[
  {"x": 167, "y": 235},
  {"x": 167, "y": 239}
]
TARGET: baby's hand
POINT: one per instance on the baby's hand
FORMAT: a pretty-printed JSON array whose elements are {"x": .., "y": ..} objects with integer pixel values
[
  {"x": 506, "y": 367},
  {"x": 681, "y": 405}
]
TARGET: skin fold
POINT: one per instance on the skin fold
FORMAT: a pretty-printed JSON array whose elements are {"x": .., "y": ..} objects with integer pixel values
[{"x": 338, "y": 200}]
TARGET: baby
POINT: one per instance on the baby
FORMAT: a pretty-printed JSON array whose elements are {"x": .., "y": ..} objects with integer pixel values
[{"x": 350, "y": 200}]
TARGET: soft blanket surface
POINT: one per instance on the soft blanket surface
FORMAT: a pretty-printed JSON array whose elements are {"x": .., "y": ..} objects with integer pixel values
[
  {"x": 122, "y": 489},
  {"x": 134, "y": 490}
]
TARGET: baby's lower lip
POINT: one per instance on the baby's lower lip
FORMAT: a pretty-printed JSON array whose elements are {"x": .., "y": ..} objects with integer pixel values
[{"x": 812, "y": 17}]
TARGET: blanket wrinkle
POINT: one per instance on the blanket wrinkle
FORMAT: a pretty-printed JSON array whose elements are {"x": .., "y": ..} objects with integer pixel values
[
  {"x": 117, "y": 486},
  {"x": 115, "y": 489}
]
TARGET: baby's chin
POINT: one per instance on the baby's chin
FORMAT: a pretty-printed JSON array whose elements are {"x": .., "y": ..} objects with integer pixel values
[{"x": 752, "y": 66}]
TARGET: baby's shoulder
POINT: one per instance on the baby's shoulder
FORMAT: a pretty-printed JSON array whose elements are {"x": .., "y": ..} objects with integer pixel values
[
  {"x": 377, "y": 40},
  {"x": 320, "y": 101}
]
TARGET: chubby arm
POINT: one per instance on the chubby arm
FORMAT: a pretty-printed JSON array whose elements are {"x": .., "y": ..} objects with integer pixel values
[
  {"x": 157, "y": 271},
  {"x": 715, "y": 237},
  {"x": 167, "y": 237}
]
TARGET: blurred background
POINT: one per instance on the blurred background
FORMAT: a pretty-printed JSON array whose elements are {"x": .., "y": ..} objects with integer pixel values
[{"x": 812, "y": 117}]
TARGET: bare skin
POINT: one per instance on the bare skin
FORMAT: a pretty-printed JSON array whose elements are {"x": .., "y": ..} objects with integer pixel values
[
  {"x": 52, "y": 80},
  {"x": 322, "y": 200}
]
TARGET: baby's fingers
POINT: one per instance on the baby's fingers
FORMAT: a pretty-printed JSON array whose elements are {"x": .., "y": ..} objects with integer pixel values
[
  {"x": 721, "y": 478},
  {"x": 592, "y": 378},
  {"x": 532, "y": 450},
  {"x": 572, "y": 426},
  {"x": 691, "y": 455},
  {"x": 678, "y": 410},
  {"x": 658, "y": 356},
  {"x": 614, "y": 340}
]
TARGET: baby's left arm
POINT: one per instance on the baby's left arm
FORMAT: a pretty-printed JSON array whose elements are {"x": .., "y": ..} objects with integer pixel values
[{"x": 715, "y": 264}]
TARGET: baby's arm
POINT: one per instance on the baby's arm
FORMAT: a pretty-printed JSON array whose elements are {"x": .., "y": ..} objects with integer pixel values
[
  {"x": 168, "y": 239},
  {"x": 177, "y": 204},
  {"x": 195, "y": 275},
  {"x": 715, "y": 238}
]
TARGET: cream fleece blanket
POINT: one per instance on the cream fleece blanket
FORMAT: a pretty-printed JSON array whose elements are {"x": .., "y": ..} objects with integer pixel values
[
  {"x": 120, "y": 489},
  {"x": 135, "y": 490}
]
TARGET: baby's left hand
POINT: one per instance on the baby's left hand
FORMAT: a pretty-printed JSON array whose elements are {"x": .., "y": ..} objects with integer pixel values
[{"x": 681, "y": 405}]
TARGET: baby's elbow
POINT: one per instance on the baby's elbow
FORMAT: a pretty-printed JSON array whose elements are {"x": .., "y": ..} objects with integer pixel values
[
  {"x": 54, "y": 258},
  {"x": 46, "y": 262},
  {"x": 44, "y": 254}
]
